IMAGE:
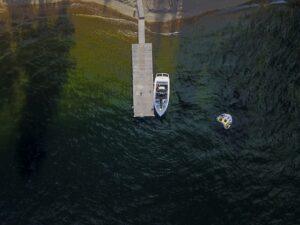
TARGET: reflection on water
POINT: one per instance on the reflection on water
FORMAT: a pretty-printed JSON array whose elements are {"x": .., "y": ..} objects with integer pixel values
[
  {"x": 42, "y": 57},
  {"x": 8, "y": 71}
]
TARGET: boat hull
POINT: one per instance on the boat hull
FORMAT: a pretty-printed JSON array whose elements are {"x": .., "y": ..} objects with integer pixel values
[{"x": 161, "y": 93}]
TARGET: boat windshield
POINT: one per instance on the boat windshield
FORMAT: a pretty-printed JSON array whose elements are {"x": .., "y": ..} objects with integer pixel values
[{"x": 161, "y": 88}]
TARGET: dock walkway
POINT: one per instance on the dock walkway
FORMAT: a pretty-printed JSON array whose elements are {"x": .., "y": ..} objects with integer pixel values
[{"x": 142, "y": 70}]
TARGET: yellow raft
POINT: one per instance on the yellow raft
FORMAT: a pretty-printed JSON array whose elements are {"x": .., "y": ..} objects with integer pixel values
[{"x": 225, "y": 119}]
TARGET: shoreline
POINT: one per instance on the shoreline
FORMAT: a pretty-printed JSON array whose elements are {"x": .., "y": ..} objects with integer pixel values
[
  {"x": 154, "y": 12},
  {"x": 167, "y": 20}
]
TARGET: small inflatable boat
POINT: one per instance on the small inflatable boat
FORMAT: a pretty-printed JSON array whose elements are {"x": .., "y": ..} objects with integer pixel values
[{"x": 225, "y": 119}]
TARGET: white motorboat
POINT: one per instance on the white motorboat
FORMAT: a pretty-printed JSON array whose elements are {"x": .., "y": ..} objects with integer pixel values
[{"x": 161, "y": 93}]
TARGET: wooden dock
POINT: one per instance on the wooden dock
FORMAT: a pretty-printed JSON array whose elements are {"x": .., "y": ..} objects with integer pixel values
[
  {"x": 141, "y": 31},
  {"x": 142, "y": 70}
]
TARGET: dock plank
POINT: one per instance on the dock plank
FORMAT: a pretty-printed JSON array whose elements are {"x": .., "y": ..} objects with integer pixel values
[
  {"x": 141, "y": 31},
  {"x": 140, "y": 8}
]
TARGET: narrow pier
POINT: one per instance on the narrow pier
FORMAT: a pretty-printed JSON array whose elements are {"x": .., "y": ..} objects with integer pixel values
[{"x": 142, "y": 70}]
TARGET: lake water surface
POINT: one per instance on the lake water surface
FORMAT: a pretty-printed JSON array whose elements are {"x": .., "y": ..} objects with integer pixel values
[{"x": 71, "y": 152}]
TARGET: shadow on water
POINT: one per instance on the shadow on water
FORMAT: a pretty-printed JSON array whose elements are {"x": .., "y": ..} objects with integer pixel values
[{"x": 43, "y": 45}]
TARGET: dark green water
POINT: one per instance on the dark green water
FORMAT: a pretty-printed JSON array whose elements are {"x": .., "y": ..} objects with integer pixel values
[{"x": 71, "y": 153}]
